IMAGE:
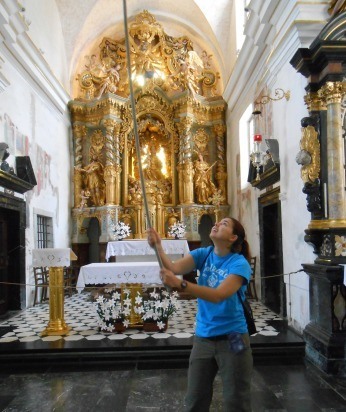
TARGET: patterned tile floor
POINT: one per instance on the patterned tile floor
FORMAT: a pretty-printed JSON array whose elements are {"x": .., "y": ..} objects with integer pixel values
[{"x": 80, "y": 315}]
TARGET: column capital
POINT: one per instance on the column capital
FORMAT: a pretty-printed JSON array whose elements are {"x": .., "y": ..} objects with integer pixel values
[
  {"x": 314, "y": 102},
  {"x": 332, "y": 92}
]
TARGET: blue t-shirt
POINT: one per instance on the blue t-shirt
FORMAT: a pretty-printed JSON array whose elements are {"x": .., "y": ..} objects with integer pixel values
[{"x": 221, "y": 318}]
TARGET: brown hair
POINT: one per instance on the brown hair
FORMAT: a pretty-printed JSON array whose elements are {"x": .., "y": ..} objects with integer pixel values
[{"x": 241, "y": 245}]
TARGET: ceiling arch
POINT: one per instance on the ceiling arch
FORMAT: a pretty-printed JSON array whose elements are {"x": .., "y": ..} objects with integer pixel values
[{"x": 86, "y": 22}]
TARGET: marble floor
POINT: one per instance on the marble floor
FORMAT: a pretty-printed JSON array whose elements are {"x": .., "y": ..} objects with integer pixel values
[
  {"x": 136, "y": 371},
  {"x": 81, "y": 316},
  {"x": 275, "y": 388},
  {"x": 20, "y": 335}
]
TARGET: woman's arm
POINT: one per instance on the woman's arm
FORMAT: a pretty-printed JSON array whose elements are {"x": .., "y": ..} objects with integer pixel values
[
  {"x": 178, "y": 267},
  {"x": 227, "y": 288}
]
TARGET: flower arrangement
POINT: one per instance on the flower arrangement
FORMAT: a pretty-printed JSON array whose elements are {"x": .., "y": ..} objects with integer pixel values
[
  {"x": 177, "y": 230},
  {"x": 157, "y": 307},
  {"x": 121, "y": 230},
  {"x": 114, "y": 310}
]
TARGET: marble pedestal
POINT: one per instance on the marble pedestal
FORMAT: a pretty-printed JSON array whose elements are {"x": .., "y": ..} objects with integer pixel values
[{"x": 324, "y": 336}]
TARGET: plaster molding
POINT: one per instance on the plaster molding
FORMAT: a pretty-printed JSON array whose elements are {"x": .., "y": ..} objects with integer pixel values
[
  {"x": 273, "y": 35},
  {"x": 3, "y": 81},
  {"x": 21, "y": 52}
]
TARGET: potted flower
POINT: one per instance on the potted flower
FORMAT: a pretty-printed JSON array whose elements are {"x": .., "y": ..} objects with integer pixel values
[
  {"x": 113, "y": 310},
  {"x": 120, "y": 230},
  {"x": 156, "y": 308},
  {"x": 177, "y": 230}
]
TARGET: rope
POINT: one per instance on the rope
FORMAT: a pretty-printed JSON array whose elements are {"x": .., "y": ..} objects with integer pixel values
[
  {"x": 93, "y": 287},
  {"x": 135, "y": 130}
]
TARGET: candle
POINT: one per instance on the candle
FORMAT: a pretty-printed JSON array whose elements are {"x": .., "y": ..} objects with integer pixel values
[{"x": 257, "y": 138}]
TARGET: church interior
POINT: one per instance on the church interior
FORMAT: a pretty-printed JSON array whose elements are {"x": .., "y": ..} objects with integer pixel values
[{"x": 171, "y": 115}]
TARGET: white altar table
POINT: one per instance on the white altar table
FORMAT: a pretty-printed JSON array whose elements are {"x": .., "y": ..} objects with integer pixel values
[
  {"x": 124, "y": 272},
  {"x": 139, "y": 250}
]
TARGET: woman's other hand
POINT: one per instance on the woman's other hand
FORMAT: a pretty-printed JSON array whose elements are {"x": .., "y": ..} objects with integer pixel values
[{"x": 169, "y": 279}]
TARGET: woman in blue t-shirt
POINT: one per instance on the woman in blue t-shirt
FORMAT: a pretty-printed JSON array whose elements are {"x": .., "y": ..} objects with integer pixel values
[{"x": 222, "y": 341}]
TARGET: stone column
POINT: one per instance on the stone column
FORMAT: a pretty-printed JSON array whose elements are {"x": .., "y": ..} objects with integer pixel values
[
  {"x": 333, "y": 92},
  {"x": 79, "y": 133}
]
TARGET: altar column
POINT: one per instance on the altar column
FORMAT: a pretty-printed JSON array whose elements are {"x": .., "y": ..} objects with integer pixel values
[
  {"x": 112, "y": 166},
  {"x": 333, "y": 93},
  {"x": 324, "y": 183},
  {"x": 185, "y": 166},
  {"x": 79, "y": 133},
  {"x": 221, "y": 170}
]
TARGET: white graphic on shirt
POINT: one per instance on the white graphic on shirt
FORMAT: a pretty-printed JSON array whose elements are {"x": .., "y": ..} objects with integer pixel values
[{"x": 213, "y": 276}]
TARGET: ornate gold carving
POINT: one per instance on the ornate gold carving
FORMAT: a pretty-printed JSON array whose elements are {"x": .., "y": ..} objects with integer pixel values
[
  {"x": 314, "y": 102},
  {"x": 201, "y": 140},
  {"x": 327, "y": 224},
  {"x": 157, "y": 59},
  {"x": 309, "y": 155},
  {"x": 97, "y": 141},
  {"x": 173, "y": 119},
  {"x": 332, "y": 92}
]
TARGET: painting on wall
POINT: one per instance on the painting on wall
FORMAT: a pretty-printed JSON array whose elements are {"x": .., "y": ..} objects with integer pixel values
[{"x": 18, "y": 143}]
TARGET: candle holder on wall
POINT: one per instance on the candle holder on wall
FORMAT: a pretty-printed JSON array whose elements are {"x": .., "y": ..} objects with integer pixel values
[{"x": 259, "y": 157}]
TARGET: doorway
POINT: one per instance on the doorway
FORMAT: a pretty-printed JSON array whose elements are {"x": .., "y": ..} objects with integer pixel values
[
  {"x": 272, "y": 285},
  {"x": 10, "y": 260},
  {"x": 94, "y": 233}
]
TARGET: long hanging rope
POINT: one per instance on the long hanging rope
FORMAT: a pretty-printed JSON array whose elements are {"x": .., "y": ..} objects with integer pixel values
[{"x": 135, "y": 130}]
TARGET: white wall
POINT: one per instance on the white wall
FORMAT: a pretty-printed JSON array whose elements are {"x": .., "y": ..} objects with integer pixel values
[
  {"x": 274, "y": 32},
  {"x": 34, "y": 119},
  {"x": 45, "y": 31},
  {"x": 295, "y": 216}
]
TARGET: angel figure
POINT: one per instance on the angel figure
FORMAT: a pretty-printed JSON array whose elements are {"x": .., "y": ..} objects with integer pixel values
[
  {"x": 191, "y": 69},
  {"x": 203, "y": 182},
  {"x": 94, "y": 181},
  {"x": 108, "y": 78}
]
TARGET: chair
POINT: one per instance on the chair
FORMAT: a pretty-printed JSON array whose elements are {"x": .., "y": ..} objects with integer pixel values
[
  {"x": 70, "y": 279},
  {"x": 41, "y": 277},
  {"x": 251, "y": 289}
]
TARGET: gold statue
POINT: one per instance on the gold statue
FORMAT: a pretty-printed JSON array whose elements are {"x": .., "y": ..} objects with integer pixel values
[
  {"x": 309, "y": 155},
  {"x": 135, "y": 196},
  {"x": 94, "y": 181},
  {"x": 203, "y": 182},
  {"x": 172, "y": 217},
  {"x": 153, "y": 170},
  {"x": 108, "y": 79},
  {"x": 84, "y": 196}
]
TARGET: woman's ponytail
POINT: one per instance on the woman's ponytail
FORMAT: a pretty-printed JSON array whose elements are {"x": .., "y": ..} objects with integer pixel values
[{"x": 241, "y": 245}]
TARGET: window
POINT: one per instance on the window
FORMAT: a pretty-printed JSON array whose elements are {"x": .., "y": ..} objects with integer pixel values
[
  {"x": 44, "y": 231},
  {"x": 246, "y": 130}
]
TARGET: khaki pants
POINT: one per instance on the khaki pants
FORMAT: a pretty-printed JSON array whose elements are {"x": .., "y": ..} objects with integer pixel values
[{"x": 209, "y": 356}]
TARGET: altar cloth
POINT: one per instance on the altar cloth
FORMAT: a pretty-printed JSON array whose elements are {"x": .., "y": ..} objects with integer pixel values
[
  {"x": 119, "y": 272},
  {"x": 175, "y": 248}
]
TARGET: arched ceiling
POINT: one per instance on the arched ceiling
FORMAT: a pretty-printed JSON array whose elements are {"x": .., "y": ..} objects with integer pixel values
[{"x": 86, "y": 22}]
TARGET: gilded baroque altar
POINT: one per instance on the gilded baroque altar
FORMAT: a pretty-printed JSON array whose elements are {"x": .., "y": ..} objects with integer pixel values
[{"x": 181, "y": 125}]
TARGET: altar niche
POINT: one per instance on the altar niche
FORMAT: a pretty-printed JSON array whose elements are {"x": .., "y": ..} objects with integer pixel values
[{"x": 181, "y": 127}]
